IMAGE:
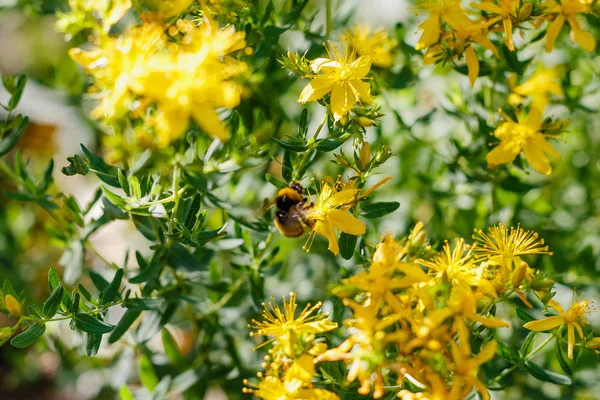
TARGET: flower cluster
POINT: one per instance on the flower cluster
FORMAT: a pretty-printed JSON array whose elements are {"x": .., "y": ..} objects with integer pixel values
[
  {"x": 530, "y": 131},
  {"x": 154, "y": 78},
  {"x": 289, "y": 368},
  {"x": 452, "y": 31},
  {"x": 420, "y": 319}
]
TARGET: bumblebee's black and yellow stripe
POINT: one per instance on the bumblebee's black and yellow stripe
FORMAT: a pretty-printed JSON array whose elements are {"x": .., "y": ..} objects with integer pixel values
[{"x": 291, "y": 206}]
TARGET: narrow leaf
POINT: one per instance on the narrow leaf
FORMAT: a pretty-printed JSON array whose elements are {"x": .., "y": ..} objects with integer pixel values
[
  {"x": 29, "y": 337},
  {"x": 89, "y": 324},
  {"x": 546, "y": 375},
  {"x": 51, "y": 305}
]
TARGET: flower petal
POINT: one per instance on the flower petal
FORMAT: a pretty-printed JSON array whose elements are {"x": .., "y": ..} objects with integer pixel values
[
  {"x": 553, "y": 31},
  {"x": 359, "y": 68},
  {"x": 584, "y": 38},
  {"x": 431, "y": 32},
  {"x": 544, "y": 324},
  {"x": 209, "y": 121},
  {"x": 346, "y": 222},
  {"x": 534, "y": 153},
  {"x": 472, "y": 64},
  {"x": 504, "y": 153},
  {"x": 342, "y": 198},
  {"x": 317, "y": 88},
  {"x": 342, "y": 100},
  {"x": 570, "y": 341}
]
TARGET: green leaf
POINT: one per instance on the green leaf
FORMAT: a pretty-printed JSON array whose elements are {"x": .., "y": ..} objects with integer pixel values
[
  {"x": 143, "y": 304},
  {"x": 17, "y": 92},
  {"x": 92, "y": 344},
  {"x": 98, "y": 281},
  {"x": 378, "y": 210},
  {"x": 347, "y": 245},
  {"x": 562, "y": 358},
  {"x": 507, "y": 352},
  {"x": 151, "y": 271},
  {"x": 171, "y": 349},
  {"x": 53, "y": 282},
  {"x": 126, "y": 321},
  {"x": 125, "y": 393},
  {"x": 327, "y": 145},
  {"x": 111, "y": 291},
  {"x": 107, "y": 173},
  {"x": 292, "y": 144},
  {"x": 527, "y": 344},
  {"x": 193, "y": 212},
  {"x": 546, "y": 375},
  {"x": 89, "y": 324},
  {"x": 7, "y": 288},
  {"x": 523, "y": 316},
  {"x": 287, "y": 169},
  {"x": 75, "y": 303},
  {"x": 123, "y": 182},
  {"x": 77, "y": 165},
  {"x": 29, "y": 337},
  {"x": 303, "y": 124},
  {"x": 85, "y": 293},
  {"x": 9, "y": 83},
  {"x": 114, "y": 198},
  {"x": 147, "y": 374},
  {"x": 10, "y": 140},
  {"x": 51, "y": 305},
  {"x": 46, "y": 179}
]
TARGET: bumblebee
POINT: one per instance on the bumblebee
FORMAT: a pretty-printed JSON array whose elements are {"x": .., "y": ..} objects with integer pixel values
[{"x": 291, "y": 210}]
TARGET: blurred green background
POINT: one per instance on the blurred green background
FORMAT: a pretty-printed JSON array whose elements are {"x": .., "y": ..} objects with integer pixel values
[{"x": 438, "y": 131}]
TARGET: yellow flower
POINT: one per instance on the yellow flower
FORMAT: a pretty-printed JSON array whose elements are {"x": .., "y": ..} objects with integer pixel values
[
  {"x": 341, "y": 75},
  {"x": 447, "y": 10},
  {"x": 329, "y": 212},
  {"x": 12, "y": 305},
  {"x": 540, "y": 86},
  {"x": 568, "y": 10},
  {"x": 466, "y": 366},
  {"x": 460, "y": 41},
  {"x": 464, "y": 302},
  {"x": 458, "y": 265},
  {"x": 144, "y": 75},
  {"x": 387, "y": 273},
  {"x": 287, "y": 329},
  {"x": 573, "y": 318},
  {"x": 364, "y": 350},
  {"x": 526, "y": 135},
  {"x": 377, "y": 45},
  {"x": 507, "y": 12},
  {"x": 113, "y": 64},
  {"x": 503, "y": 246},
  {"x": 296, "y": 384}
]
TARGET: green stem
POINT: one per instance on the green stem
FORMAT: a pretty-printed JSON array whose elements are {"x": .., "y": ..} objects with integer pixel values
[
  {"x": 9, "y": 172},
  {"x": 526, "y": 358},
  {"x": 226, "y": 298},
  {"x": 176, "y": 196},
  {"x": 311, "y": 149}
]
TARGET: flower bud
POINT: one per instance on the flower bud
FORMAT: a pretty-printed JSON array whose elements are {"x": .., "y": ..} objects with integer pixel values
[
  {"x": 364, "y": 122},
  {"x": 12, "y": 305},
  {"x": 594, "y": 344},
  {"x": 365, "y": 156},
  {"x": 518, "y": 274},
  {"x": 6, "y": 332},
  {"x": 525, "y": 11}
]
